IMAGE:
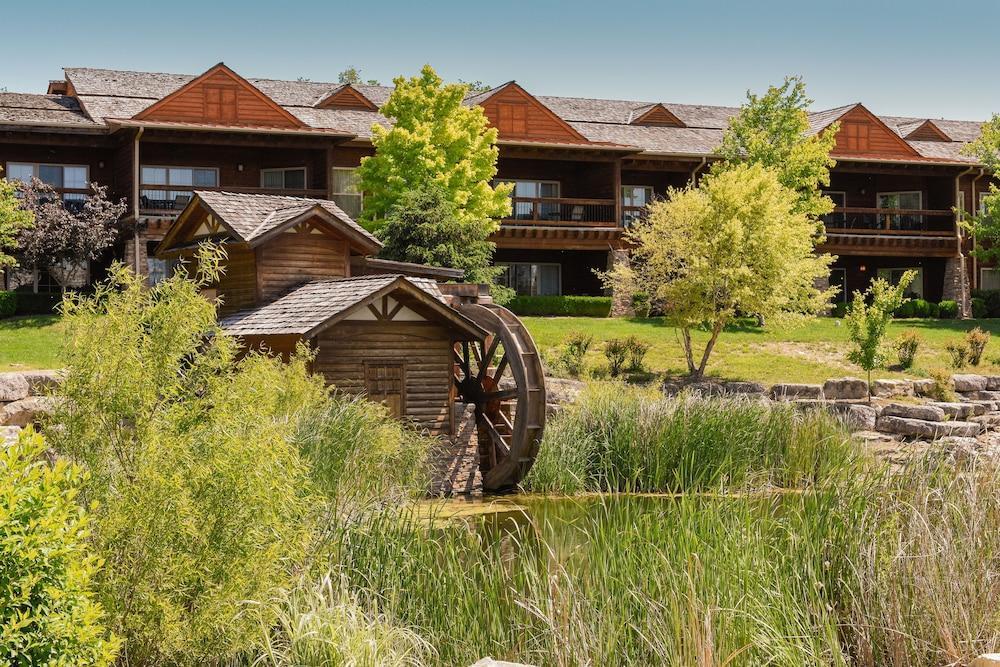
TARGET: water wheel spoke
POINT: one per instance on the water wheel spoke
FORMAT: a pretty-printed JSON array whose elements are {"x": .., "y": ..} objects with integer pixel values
[
  {"x": 501, "y": 366},
  {"x": 502, "y": 449},
  {"x": 502, "y": 395},
  {"x": 463, "y": 360},
  {"x": 487, "y": 359}
]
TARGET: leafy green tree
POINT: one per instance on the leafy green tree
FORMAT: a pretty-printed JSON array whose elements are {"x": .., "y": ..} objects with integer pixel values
[
  {"x": 48, "y": 611},
  {"x": 435, "y": 138},
  {"x": 985, "y": 224},
  {"x": 13, "y": 219},
  {"x": 204, "y": 499},
  {"x": 424, "y": 226},
  {"x": 352, "y": 75},
  {"x": 773, "y": 130},
  {"x": 868, "y": 321},
  {"x": 739, "y": 243}
]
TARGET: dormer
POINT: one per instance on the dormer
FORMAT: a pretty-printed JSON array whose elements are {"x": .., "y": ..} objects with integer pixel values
[
  {"x": 924, "y": 130},
  {"x": 220, "y": 96},
  {"x": 517, "y": 114},
  {"x": 655, "y": 115},
  {"x": 57, "y": 87},
  {"x": 863, "y": 134},
  {"x": 346, "y": 97}
]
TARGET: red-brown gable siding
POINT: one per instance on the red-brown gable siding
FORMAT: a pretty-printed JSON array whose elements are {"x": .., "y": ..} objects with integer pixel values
[
  {"x": 347, "y": 98},
  {"x": 862, "y": 134},
  {"x": 517, "y": 115}
]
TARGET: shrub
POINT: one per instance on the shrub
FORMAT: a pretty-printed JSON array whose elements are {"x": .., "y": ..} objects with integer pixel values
[
  {"x": 573, "y": 351},
  {"x": 906, "y": 348},
  {"x": 616, "y": 351},
  {"x": 943, "y": 388},
  {"x": 43, "y": 303},
  {"x": 906, "y": 310},
  {"x": 641, "y": 304},
  {"x": 948, "y": 310},
  {"x": 839, "y": 310},
  {"x": 565, "y": 306},
  {"x": 959, "y": 354},
  {"x": 921, "y": 308},
  {"x": 935, "y": 310},
  {"x": 8, "y": 303},
  {"x": 204, "y": 499},
  {"x": 637, "y": 350},
  {"x": 867, "y": 324},
  {"x": 48, "y": 614},
  {"x": 992, "y": 300},
  {"x": 979, "y": 309},
  {"x": 976, "y": 340}
]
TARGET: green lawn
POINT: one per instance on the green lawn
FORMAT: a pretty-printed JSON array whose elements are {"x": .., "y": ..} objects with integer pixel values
[
  {"x": 810, "y": 353},
  {"x": 30, "y": 342}
]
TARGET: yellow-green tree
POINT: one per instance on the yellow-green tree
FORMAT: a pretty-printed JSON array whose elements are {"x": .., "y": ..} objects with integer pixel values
[
  {"x": 13, "y": 219},
  {"x": 434, "y": 138},
  {"x": 985, "y": 224},
  {"x": 739, "y": 243},
  {"x": 773, "y": 130}
]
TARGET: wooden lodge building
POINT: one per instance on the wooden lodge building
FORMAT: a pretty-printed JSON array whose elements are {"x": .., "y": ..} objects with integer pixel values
[{"x": 583, "y": 170}]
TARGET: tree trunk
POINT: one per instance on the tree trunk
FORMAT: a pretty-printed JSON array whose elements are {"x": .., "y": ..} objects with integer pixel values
[
  {"x": 716, "y": 330},
  {"x": 688, "y": 352}
]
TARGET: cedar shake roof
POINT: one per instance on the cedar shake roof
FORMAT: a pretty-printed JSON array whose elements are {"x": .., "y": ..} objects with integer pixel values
[
  {"x": 117, "y": 94},
  {"x": 309, "y": 308},
  {"x": 253, "y": 216}
]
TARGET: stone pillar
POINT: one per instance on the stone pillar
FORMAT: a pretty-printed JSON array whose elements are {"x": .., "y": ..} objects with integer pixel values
[
  {"x": 621, "y": 304},
  {"x": 956, "y": 285},
  {"x": 137, "y": 261},
  {"x": 822, "y": 284}
]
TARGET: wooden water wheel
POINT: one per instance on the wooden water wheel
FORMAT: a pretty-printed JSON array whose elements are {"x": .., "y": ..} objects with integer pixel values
[{"x": 503, "y": 377}]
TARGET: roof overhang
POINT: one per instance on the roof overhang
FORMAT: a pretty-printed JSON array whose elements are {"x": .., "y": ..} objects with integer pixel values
[
  {"x": 358, "y": 240},
  {"x": 123, "y": 123}
]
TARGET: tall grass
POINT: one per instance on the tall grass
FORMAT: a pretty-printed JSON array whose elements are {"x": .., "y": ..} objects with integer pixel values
[{"x": 622, "y": 439}]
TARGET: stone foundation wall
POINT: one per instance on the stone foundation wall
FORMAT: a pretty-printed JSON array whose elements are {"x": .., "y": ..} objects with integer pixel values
[{"x": 24, "y": 398}]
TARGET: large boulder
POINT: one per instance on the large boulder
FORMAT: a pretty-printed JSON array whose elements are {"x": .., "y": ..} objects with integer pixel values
[
  {"x": 13, "y": 387},
  {"x": 26, "y": 411},
  {"x": 919, "y": 428},
  {"x": 960, "y": 410},
  {"x": 981, "y": 395},
  {"x": 838, "y": 389},
  {"x": 672, "y": 387},
  {"x": 892, "y": 388},
  {"x": 789, "y": 391},
  {"x": 923, "y": 387},
  {"x": 993, "y": 383},
  {"x": 991, "y": 420},
  {"x": 966, "y": 382},
  {"x": 856, "y": 416},
  {"x": 908, "y": 411},
  {"x": 40, "y": 382}
]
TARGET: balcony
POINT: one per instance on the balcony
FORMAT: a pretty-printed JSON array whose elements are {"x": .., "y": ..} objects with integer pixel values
[
  {"x": 852, "y": 230},
  {"x": 560, "y": 211},
  {"x": 169, "y": 200},
  {"x": 861, "y": 220}
]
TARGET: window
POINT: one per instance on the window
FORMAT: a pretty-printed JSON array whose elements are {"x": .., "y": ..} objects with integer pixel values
[
  {"x": 912, "y": 200},
  {"x": 287, "y": 178},
  {"x": 60, "y": 176},
  {"x": 527, "y": 194},
  {"x": 345, "y": 191},
  {"x": 170, "y": 188},
  {"x": 529, "y": 279},
  {"x": 982, "y": 202},
  {"x": 989, "y": 278},
  {"x": 916, "y": 288},
  {"x": 836, "y": 220},
  {"x": 856, "y": 136},
  {"x": 513, "y": 118},
  {"x": 960, "y": 205},
  {"x": 635, "y": 198},
  {"x": 157, "y": 269}
]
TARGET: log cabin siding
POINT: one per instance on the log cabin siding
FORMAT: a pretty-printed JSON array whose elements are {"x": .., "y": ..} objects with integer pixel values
[
  {"x": 297, "y": 257},
  {"x": 863, "y": 134},
  {"x": 425, "y": 349},
  {"x": 517, "y": 115},
  {"x": 238, "y": 283}
]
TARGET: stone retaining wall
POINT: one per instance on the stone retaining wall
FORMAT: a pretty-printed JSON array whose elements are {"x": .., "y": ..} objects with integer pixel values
[{"x": 24, "y": 398}]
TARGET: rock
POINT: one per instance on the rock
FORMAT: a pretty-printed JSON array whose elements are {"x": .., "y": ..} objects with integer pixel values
[
  {"x": 986, "y": 660},
  {"x": 845, "y": 389},
  {"x": 982, "y": 395},
  {"x": 490, "y": 662},
  {"x": 785, "y": 392},
  {"x": 960, "y": 410},
  {"x": 41, "y": 381},
  {"x": 856, "y": 417},
  {"x": 13, "y": 387},
  {"x": 926, "y": 412},
  {"x": 965, "y": 382},
  {"x": 993, "y": 383},
  {"x": 988, "y": 406},
  {"x": 923, "y": 387},
  {"x": 744, "y": 388},
  {"x": 563, "y": 390},
  {"x": 26, "y": 411},
  {"x": 918, "y": 428},
  {"x": 708, "y": 388},
  {"x": 8, "y": 434},
  {"x": 991, "y": 420},
  {"x": 892, "y": 388}
]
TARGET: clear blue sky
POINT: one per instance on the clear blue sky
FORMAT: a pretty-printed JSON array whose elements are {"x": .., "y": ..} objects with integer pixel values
[{"x": 919, "y": 58}]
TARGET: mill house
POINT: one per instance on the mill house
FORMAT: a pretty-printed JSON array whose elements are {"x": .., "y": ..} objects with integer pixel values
[{"x": 583, "y": 169}]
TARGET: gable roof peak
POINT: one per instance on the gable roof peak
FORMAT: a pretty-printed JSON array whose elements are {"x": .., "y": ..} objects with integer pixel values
[{"x": 655, "y": 113}]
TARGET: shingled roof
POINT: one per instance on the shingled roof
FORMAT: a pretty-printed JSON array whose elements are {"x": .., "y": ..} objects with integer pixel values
[
  {"x": 251, "y": 217},
  {"x": 118, "y": 94},
  {"x": 308, "y": 309}
]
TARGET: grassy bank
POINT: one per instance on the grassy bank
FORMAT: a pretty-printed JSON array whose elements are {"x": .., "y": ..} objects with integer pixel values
[
  {"x": 618, "y": 438},
  {"x": 810, "y": 353},
  {"x": 30, "y": 342}
]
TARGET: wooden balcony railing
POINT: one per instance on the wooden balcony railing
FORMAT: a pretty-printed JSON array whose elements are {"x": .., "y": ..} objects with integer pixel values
[
  {"x": 861, "y": 220},
  {"x": 562, "y": 211},
  {"x": 171, "y": 199}
]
